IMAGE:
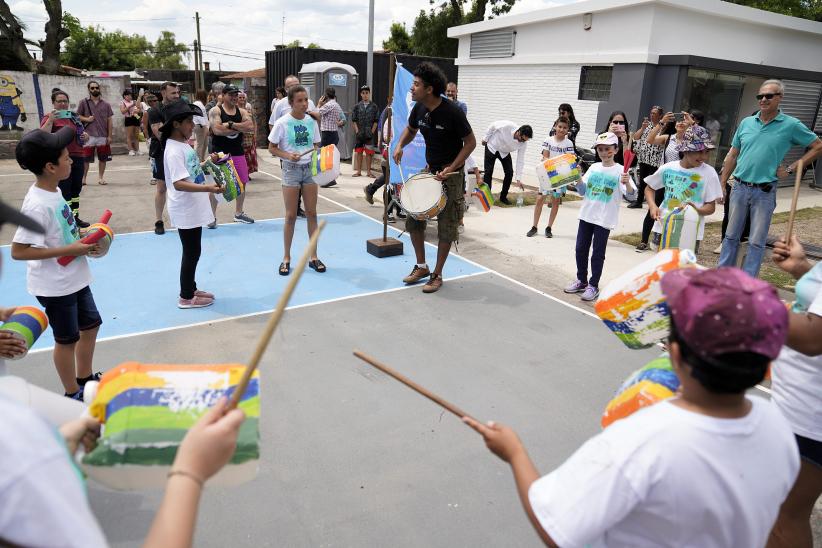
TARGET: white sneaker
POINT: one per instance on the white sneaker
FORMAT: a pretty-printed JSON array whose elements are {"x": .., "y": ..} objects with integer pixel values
[
  {"x": 132, "y": 153},
  {"x": 590, "y": 293},
  {"x": 718, "y": 249}
]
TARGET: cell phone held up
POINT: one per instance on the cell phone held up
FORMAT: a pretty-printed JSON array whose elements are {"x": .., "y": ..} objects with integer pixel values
[{"x": 679, "y": 117}]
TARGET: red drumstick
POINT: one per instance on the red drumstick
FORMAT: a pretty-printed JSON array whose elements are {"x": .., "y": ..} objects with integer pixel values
[{"x": 92, "y": 238}]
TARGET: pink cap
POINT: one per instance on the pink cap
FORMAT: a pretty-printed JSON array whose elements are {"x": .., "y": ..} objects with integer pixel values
[{"x": 724, "y": 310}]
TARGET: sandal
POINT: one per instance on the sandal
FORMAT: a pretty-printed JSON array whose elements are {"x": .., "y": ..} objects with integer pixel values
[
  {"x": 356, "y": 174},
  {"x": 285, "y": 269},
  {"x": 317, "y": 265},
  {"x": 102, "y": 182}
]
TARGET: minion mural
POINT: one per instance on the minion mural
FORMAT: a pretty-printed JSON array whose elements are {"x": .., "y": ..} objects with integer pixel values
[{"x": 11, "y": 104}]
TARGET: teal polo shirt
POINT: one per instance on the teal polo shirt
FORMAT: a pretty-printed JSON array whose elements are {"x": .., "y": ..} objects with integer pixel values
[{"x": 763, "y": 146}]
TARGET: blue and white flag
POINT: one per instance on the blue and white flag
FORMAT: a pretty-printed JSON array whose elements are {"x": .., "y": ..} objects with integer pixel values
[{"x": 413, "y": 157}]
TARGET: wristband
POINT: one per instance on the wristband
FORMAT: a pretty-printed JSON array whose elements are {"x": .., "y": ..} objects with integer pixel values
[{"x": 188, "y": 475}]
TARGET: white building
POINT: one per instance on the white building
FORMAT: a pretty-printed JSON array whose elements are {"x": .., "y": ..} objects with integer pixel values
[{"x": 606, "y": 55}]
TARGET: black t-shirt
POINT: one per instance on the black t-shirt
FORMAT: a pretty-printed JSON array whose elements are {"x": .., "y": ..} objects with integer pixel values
[
  {"x": 443, "y": 129},
  {"x": 155, "y": 116}
]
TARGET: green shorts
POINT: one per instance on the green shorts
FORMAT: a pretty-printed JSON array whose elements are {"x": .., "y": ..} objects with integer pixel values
[{"x": 448, "y": 221}]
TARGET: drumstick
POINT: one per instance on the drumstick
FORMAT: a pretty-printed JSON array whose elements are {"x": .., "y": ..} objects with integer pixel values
[
  {"x": 412, "y": 385},
  {"x": 402, "y": 175},
  {"x": 799, "y": 167},
  {"x": 310, "y": 150},
  {"x": 275, "y": 318}
]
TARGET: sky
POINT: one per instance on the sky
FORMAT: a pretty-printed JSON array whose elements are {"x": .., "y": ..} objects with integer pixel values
[{"x": 235, "y": 34}]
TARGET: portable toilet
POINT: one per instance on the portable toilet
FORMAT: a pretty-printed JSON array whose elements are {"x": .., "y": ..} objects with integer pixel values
[{"x": 315, "y": 77}]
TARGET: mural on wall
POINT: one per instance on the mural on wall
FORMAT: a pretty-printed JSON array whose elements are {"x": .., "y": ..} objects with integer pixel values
[{"x": 12, "y": 109}]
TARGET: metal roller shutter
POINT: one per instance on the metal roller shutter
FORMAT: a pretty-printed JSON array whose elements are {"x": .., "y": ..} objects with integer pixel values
[
  {"x": 496, "y": 43},
  {"x": 801, "y": 101}
]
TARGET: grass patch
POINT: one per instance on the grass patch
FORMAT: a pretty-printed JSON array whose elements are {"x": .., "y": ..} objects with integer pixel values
[{"x": 530, "y": 198}]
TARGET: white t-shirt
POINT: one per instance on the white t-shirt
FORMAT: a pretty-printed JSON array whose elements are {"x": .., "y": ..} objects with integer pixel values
[
  {"x": 293, "y": 135},
  {"x": 796, "y": 379},
  {"x": 44, "y": 498},
  {"x": 555, "y": 148},
  {"x": 670, "y": 477},
  {"x": 281, "y": 108},
  {"x": 603, "y": 194},
  {"x": 46, "y": 278},
  {"x": 697, "y": 185},
  {"x": 185, "y": 209},
  {"x": 201, "y": 120}
]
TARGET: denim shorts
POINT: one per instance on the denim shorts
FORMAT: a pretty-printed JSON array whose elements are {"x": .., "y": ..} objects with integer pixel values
[
  {"x": 296, "y": 175},
  {"x": 70, "y": 314}
]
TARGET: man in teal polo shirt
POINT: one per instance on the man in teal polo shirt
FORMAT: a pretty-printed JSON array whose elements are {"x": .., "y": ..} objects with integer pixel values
[{"x": 755, "y": 159}]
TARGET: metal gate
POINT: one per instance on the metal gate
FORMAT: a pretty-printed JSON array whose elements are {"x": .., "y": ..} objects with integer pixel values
[{"x": 802, "y": 101}]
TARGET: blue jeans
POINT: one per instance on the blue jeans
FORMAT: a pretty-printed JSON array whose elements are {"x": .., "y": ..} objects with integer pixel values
[
  {"x": 748, "y": 200},
  {"x": 586, "y": 234}
]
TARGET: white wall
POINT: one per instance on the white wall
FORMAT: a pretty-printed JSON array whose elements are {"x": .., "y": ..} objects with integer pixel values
[
  {"x": 524, "y": 95},
  {"x": 75, "y": 86}
]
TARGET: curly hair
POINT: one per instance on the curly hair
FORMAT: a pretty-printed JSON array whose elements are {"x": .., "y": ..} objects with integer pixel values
[{"x": 431, "y": 75}]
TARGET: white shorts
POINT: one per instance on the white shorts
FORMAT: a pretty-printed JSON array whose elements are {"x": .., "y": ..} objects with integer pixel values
[{"x": 95, "y": 142}]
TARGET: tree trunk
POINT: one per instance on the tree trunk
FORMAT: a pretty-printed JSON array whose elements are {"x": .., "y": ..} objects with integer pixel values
[
  {"x": 10, "y": 27},
  {"x": 55, "y": 34}
]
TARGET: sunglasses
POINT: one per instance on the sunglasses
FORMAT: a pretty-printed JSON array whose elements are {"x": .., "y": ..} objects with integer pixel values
[
  {"x": 767, "y": 96},
  {"x": 618, "y": 122}
]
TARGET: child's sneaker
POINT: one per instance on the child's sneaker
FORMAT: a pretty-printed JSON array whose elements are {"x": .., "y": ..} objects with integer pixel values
[
  {"x": 241, "y": 217},
  {"x": 93, "y": 377},
  {"x": 195, "y": 302},
  {"x": 548, "y": 233},
  {"x": 77, "y": 396},
  {"x": 575, "y": 287},
  {"x": 206, "y": 294},
  {"x": 590, "y": 293},
  {"x": 531, "y": 232}
]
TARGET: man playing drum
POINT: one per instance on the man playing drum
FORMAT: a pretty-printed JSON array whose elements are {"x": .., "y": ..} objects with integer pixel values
[{"x": 448, "y": 142}]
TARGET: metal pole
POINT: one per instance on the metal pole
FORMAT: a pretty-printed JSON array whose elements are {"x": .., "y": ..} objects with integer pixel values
[
  {"x": 370, "y": 58},
  {"x": 196, "y": 66},
  {"x": 201, "y": 79},
  {"x": 392, "y": 62}
]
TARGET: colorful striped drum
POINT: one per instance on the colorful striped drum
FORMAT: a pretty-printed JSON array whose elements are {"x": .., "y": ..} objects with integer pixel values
[
  {"x": 146, "y": 410},
  {"x": 557, "y": 172},
  {"x": 482, "y": 195},
  {"x": 103, "y": 243},
  {"x": 225, "y": 175},
  {"x": 680, "y": 228},
  {"x": 646, "y": 386},
  {"x": 26, "y": 323},
  {"x": 325, "y": 164}
]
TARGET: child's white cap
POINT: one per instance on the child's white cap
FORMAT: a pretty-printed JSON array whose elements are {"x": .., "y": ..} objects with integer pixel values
[{"x": 607, "y": 138}]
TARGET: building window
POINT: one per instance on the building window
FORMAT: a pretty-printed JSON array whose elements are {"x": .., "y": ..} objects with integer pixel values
[
  {"x": 496, "y": 43},
  {"x": 595, "y": 83}
]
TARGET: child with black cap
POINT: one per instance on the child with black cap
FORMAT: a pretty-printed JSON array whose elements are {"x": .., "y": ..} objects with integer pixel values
[
  {"x": 707, "y": 468},
  {"x": 188, "y": 205},
  {"x": 62, "y": 290}
]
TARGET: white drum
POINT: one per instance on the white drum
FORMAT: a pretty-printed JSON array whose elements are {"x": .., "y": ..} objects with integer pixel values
[{"x": 422, "y": 197}]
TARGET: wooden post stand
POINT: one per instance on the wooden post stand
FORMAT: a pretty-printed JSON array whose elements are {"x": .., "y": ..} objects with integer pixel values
[{"x": 385, "y": 246}]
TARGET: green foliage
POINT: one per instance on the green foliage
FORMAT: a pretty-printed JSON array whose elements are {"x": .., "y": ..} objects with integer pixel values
[
  {"x": 429, "y": 35},
  {"x": 399, "y": 41},
  {"x": 299, "y": 44},
  {"x": 805, "y": 9},
  {"x": 93, "y": 48}
]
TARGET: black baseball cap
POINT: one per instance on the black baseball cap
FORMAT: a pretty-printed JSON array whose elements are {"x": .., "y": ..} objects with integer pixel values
[
  {"x": 37, "y": 147},
  {"x": 231, "y": 89},
  {"x": 365, "y": 88},
  {"x": 176, "y": 111},
  {"x": 10, "y": 215}
]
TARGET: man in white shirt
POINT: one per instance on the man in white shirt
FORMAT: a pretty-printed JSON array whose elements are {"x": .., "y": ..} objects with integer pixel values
[
  {"x": 502, "y": 138},
  {"x": 707, "y": 468}
]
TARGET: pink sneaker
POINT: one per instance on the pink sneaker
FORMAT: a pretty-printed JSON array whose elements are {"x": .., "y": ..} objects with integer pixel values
[
  {"x": 206, "y": 294},
  {"x": 195, "y": 302}
]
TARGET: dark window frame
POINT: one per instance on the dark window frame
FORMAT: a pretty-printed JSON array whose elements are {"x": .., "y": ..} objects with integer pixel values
[{"x": 595, "y": 83}]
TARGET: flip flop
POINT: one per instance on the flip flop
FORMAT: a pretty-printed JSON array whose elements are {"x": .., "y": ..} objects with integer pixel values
[
  {"x": 356, "y": 174},
  {"x": 101, "y": 182},
  {"x": 285, "y": 269},
  {"x": 317, "y": 265}
]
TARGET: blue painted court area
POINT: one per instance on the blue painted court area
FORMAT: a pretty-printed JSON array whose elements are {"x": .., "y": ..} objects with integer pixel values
[{"x": 136, "y": 285}]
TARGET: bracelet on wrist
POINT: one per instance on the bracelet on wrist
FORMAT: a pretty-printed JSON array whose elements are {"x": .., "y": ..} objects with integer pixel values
[{"x": 188, "y": 475}]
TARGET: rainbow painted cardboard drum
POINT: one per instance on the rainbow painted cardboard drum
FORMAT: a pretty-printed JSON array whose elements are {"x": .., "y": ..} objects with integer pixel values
[
  {"x": 325, "y": 164},
  {"x": 146, "y": 410},
  {"x": 557, "y": 172},
  {"x": 26, "y": 323},
  {"x": 422, "y": 196},
  {"x": 633, "y": 306},
  {"x": 644, "y": 387},
  {"x": 104, "y": 243}
]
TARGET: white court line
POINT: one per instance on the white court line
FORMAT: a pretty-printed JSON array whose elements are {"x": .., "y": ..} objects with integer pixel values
[
  {"x": 232, "y": 223},
  {"x": 114, "y": 170},
  {"x": 261, "y": 313},
  {"x": 492, "y": 271}
]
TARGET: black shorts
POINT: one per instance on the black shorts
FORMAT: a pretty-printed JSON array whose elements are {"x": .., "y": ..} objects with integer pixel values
[
  {"x": 157, "y": 169},
  {"x": 810, "y": 450},
  {"x": 131, "y": 121},
  {"x": 70, "y": 314}
]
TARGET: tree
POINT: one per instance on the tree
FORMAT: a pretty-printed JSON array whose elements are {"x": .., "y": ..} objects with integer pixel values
[
  {"x": 399, "y": 41},
  {"x": 12, "y": 29},
  {"x": 299, "y": 44},
  {"x": 805, "y": 9},
  {"x": 93, "y": 48}
]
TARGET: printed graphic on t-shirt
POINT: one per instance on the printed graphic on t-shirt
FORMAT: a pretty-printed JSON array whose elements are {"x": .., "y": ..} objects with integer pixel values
[
  {"x": 682, "y": 186},
  {"x": 65, "y": 220},
  {"x": 298, "y": 134},
  {"x": 193, "y": 166},
  {"x": 601, "y": 186},
  {"x": 555, "y": 149}
]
